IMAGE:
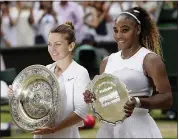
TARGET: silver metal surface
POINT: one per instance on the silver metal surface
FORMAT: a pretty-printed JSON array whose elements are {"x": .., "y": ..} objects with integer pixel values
[
  {"x": 35, "y": 98},
  {"x": 111, "y": 95}
]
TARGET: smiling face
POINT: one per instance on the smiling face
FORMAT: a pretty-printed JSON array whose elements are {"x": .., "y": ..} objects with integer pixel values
[
  {"x": 126, "y": 32},
  {"x": 58, "y": 46}
]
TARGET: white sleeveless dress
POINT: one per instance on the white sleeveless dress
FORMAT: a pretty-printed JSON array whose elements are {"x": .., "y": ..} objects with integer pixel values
[{"x": 130, "y": 71}]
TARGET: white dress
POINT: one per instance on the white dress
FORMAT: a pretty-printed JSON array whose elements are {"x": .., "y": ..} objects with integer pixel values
[
  {"x": 73, "y": 82},
  {"x": 130, "y": 71}
]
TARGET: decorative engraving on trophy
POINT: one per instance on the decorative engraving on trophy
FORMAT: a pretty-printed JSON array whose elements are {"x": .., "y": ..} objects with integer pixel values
[
  {"x": 111, "y": 95},
  {"x": 34, "y": 102},
  {"x": 109, "y": 99},
  {"x": 107, "y": 92}
]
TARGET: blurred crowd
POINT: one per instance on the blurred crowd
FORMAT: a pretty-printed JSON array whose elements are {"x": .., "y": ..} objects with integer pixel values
[{"x": 28, "y": 23}]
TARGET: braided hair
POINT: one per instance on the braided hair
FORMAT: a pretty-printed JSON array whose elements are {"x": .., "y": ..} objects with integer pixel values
[{"x": 149, "y": 36}]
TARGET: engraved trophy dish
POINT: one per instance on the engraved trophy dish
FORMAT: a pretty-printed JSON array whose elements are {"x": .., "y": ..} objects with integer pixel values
[
  {"x": 35, "y": 98},
  {"x": 111, "y": 95}
]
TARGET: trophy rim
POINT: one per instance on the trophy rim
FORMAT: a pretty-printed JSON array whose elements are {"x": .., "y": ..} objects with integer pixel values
[
  {"x": 91, "y": 85},
  {"x": 51, "y": 79}
]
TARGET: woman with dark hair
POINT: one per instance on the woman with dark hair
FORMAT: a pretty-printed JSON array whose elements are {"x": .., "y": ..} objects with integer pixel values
[
  {"x": 73, "y": 80},
  {"x": 139, "y": 65}
]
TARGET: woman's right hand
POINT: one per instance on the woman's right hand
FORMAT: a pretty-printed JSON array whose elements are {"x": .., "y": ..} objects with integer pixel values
[
  {"x": 10, "y": 91},
  {"x": 88, "y": 96}
]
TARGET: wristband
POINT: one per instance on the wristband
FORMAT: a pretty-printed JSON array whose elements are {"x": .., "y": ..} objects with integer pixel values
[{"x": 137, "y": 102}]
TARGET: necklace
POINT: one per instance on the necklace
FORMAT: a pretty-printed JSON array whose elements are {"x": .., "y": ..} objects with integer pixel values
[{"x": 122, "y": 56}]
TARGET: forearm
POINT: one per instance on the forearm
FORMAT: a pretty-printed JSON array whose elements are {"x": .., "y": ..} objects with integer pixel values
[
  {"x": 71, "y": 120},
  {"x": 158, "y": 101},
  {"x": 31, "y": 20}
]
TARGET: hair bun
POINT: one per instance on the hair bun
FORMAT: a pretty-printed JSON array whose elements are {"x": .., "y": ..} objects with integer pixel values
[{"x": 70, "y": 24}]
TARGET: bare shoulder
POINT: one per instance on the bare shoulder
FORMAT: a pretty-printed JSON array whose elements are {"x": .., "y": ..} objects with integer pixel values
[
  {"x": 152, "y": 58},
  {"x": 103, "y": 64},
  {"x": 153, "y": 63}
]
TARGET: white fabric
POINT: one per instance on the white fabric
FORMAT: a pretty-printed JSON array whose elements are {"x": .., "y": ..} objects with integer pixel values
[
  {"x": 75, "y": 79},
  {"x": 47, "y": 23},
  {"x": 115, "y": 8},
  {"x": 72, "y": 12},
  {"x": 10, "y": 33},
  {"x": 4, "y": 89},
  {"x": 3, "y": 67},
  {"x": 139, "y": 125},
  {"x": 24, "y": 31},
  {"x": 130, "y": 71}
]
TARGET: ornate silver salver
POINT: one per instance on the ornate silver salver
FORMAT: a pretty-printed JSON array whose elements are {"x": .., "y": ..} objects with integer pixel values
[
  {"x": 111, "y": 95},
  {"x": 35, "y": 98}
]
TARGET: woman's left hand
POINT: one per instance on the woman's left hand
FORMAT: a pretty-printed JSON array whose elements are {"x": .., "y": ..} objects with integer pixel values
[
  {"x": 42, "y": 131},
  {"x": 129, "y": 107}
]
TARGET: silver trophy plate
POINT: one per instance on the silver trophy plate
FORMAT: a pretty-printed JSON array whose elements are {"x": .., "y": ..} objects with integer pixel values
[
  {"x": 35, "y": 98},
  {"x": 111, "y": 95}
]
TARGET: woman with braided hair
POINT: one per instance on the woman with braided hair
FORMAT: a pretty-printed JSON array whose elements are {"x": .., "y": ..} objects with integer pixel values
[{"x": 139, "y": 65}]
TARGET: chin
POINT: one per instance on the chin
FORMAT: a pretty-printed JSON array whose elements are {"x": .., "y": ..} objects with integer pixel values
[
  {"x": 54, "y": 58},
  {"x": 120, "y": 47}
]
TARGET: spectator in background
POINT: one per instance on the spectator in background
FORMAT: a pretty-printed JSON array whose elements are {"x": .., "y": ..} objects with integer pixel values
[
  {"x": 117, "y": 7},
  {"x": 99, "y": 18},
  {"x": 70, "y": 11},
  {"x": 8, "y": 32},
  {"x": 4, "y": 41},
  {"x": 23, "y": 23},
  {"x": 152, "y": 7},
  {"x": 87, "y": 9},
  {"x": 100, "y": 21},
  {"x": 170, "y": 4},
  {"x": 45, "y": 19},
  {"x": 92, "y": 54}
]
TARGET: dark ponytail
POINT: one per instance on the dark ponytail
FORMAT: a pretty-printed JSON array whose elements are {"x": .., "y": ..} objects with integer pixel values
[{"x": 149, "y": 36}]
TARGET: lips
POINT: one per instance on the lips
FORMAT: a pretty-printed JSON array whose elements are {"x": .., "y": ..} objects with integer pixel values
[
  {"x": 121, "y": 41},
  {"x": 54, "y": 54}
]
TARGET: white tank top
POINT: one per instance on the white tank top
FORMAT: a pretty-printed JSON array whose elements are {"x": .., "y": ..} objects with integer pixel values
[{"x": 130, "y": 71}]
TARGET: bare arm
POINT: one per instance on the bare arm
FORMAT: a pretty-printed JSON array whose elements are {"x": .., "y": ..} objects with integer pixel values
[
  {"x": 87, "y": 94},
  {"x": 155, "y": 68},
  {"x": 31, "y": 17},
  {"x": 103, "y": 65},
  {"x": 96, "y": 20},
  {"x": 72, "y": 119}
]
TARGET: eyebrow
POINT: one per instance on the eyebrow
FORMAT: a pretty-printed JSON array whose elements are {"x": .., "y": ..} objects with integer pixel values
[
  {"x": 121, "y": 26},
  {"x": 56, "y": 42},
  {"x": 114, "y": 27},
  {"x": 124, "y": 26}
]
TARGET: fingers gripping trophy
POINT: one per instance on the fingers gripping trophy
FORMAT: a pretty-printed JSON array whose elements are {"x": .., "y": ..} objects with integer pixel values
[
  {"x": 34, "y": 99},
  {"x": 109, "y": 96}
]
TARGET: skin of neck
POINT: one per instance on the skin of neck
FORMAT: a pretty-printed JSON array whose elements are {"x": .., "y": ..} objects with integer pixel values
[
  {"x": 65, "y": 62},
  {"x": 130, "y": 51}
]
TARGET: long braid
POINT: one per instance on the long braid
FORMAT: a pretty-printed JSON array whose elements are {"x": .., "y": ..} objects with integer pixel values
[{"x": 149, "y": 37}]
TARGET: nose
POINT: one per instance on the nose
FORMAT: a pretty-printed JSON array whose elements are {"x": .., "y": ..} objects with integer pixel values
[
  {"x": 119, "y": 35},
  {"x": 52, "y": 47}
]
